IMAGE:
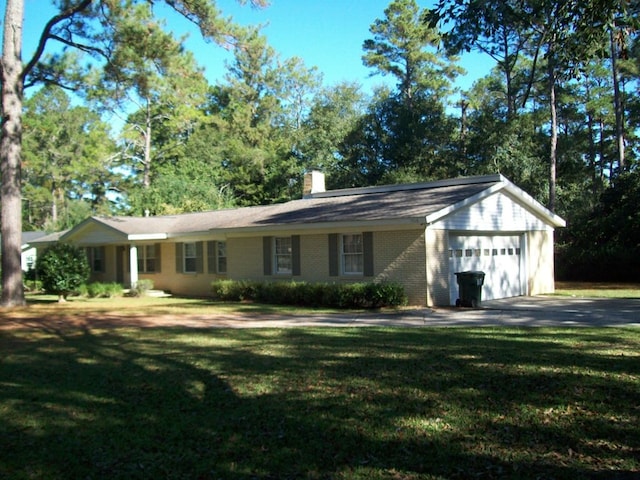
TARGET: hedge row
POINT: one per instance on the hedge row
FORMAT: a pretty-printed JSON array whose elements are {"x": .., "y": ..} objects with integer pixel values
[{"x": 330, "y": 295}]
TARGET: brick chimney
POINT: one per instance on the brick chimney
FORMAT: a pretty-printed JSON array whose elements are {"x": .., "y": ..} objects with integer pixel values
[{"x": 313, "y": 183}]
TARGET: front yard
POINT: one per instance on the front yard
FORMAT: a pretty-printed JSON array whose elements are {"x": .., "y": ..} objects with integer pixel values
[{"x": 344, "y": 403}]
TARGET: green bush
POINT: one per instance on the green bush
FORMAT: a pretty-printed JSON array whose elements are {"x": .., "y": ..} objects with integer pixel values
[
  {"x": 62, "y": 269},
  {"x": 331, "y": 295},
  {"x": 33, "y": 285},
  {"x": 141, "y": 288},
  {"x": 102, "y": 290}
]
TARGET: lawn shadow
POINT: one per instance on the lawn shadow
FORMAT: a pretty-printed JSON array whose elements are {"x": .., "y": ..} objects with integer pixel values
[{"x": 305, "y": 403}]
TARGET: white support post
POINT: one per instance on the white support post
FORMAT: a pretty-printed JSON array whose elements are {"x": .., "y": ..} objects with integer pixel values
[{"x": 133, "y": 261}]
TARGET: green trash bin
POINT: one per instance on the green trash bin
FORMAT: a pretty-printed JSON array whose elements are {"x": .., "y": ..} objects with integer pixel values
[{"x": 469, "y": 288}]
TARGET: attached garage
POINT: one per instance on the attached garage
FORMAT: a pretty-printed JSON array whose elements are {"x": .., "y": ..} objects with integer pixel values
[{"x": 501, "y": 231}]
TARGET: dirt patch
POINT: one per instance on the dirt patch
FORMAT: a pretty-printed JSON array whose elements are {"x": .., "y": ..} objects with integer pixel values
[{"x": 13, "y": 321}]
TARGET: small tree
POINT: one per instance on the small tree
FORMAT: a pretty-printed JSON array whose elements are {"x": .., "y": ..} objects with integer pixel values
[{"x": 62, "y": 269}]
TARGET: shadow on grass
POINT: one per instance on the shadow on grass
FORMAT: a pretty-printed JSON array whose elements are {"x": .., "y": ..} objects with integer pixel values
[{"x": 304, "y": 403}]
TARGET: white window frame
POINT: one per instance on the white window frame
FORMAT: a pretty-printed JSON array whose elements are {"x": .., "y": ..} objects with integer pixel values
[
  {"x": 189, "y": 257},
  {"x": 282, "y": 255},
  {"x": 352, "y": 254}
]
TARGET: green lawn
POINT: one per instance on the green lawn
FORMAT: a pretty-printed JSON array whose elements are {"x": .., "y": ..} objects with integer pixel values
[
  {"x": 350, "y": 403},
  {"x": 598, "y": 289}
]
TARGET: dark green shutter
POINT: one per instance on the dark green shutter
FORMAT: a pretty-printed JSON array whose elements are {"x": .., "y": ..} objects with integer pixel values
[
  {"x": 179, "y": 258},
  {"x": 334, "y": 258},
  {"x": 295, "y": 255},
  {"x": 367, "y": 253},
  {"x": 158, "y": 257},
  {"x": 199, "y": 257},
  {"x": 211, "y": 256},
  {"x": 266, "y": 255}
]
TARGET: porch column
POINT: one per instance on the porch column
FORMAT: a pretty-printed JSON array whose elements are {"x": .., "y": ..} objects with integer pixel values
[{"x": 133, "y": 261}]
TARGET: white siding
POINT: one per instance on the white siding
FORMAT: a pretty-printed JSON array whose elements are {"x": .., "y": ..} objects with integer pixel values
[
  {"x": 94, "y": 234},
  {"x": 495, "y": 213}
]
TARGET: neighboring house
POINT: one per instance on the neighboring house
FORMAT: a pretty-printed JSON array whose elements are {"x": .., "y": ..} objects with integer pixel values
[
  {"x": 417, "y": 234},
  {"x": 29, "y": 252}
]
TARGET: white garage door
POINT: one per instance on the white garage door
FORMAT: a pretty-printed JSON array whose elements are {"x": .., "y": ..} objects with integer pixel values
[{"x": 499, "y": 256}]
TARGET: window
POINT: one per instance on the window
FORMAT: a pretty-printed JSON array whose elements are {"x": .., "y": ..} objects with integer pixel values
[
  {"x": 147, "y": 255},
  {"x": 352, "y": 254},
  {"x": 96, "y": 258},
  {"x": 190, "y": 256},
  {"x": 282, "y": 255},
  {"x": 221, "y": 257}
]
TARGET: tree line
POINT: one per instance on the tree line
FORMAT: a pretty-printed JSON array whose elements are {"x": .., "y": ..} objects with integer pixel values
[{"x": 557, "y": 115}]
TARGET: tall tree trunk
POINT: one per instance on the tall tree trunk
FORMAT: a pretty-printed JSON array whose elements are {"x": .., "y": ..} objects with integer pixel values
[
  {"x": 146, "y": 176},
  {"x": 10, "y": 155},
  {"x": 617, "y": 100},
  {"x": 553, "y": 148}
]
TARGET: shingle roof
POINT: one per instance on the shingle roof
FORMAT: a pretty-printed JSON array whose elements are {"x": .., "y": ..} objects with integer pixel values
[
  {"x": 399, "y": 203},
  {"x": 394, "y": 204}
]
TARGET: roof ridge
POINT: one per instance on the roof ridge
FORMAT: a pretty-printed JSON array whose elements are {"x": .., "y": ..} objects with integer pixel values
[{"x": 409, "y": 186}]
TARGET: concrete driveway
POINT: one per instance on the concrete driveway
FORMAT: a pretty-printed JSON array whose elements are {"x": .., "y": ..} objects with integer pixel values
[{"x": 539, "y": 311}]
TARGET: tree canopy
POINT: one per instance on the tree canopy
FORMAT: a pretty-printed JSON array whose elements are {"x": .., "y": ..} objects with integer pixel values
[{"x": 558, "y": 114}]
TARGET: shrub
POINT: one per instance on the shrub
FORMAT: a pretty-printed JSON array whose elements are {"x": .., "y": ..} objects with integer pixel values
[
  {"x": 101, "y": 290},
  {"x": 33, "y": 285},
  {"x": 62, "y": 269},
  {"x": 96, "y": 290},
  {"x": 141, "y": 288},
  {"x": 349, "y": 295}
]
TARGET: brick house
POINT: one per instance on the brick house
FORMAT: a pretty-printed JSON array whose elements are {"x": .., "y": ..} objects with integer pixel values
[{"x": 415, "y": 234}]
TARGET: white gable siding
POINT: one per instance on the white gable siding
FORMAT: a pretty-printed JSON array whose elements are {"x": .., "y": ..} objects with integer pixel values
[
  {"x": 497, "y": 212},
  {"x": 95, "y": 234}
]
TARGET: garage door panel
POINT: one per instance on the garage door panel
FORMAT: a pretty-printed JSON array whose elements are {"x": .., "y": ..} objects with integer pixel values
[{"x": 498, "y": 256}]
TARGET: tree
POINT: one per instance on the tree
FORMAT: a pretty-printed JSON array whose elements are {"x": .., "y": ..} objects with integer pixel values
[
  {"x": 77, "y": 28},
  {"x": 63, "y": 268},
  {"x": 68, "y": 154},
  {"x": 410, "y": 126},
  {"x": 150, "y": 72},
  {"x": 334, "y": 113},
  {"x": 258, "y": 113},
  {"x": 404, "y": 46},
  {"x": 492, "y": 27}
]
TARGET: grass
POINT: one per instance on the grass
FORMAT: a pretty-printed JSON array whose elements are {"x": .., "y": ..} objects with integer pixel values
[
  {"x": 598, "y": 289},
  {"x": 47, "y": 305},
  {"x": 361, "y": 403}
]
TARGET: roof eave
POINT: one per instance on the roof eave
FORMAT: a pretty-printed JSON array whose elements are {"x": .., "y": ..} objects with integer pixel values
[{"x": 408, "y": 222}]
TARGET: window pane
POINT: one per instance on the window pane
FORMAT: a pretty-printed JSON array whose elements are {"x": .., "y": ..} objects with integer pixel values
[
  {"x": 190, "y": 257},
  {"x": 222, "y": 257},
  {"x": 151, "y": 265},
  {"x": 222, "y": 265},
  {"x": 189, "y": 250},
  {"x": 190, "y": 265},
  {"x": 352, "y": 244},
  {"x": 283, "y": 254},
  {"x": 352, "y": 254}
]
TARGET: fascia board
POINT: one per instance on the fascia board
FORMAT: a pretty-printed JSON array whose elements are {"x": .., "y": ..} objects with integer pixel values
[
  {"x": 534, "y": 205},
  {"x": 139, "y": 237}
]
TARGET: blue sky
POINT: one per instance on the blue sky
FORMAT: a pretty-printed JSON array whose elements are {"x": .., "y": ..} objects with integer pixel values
[{"x": 327, "y": 34}]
